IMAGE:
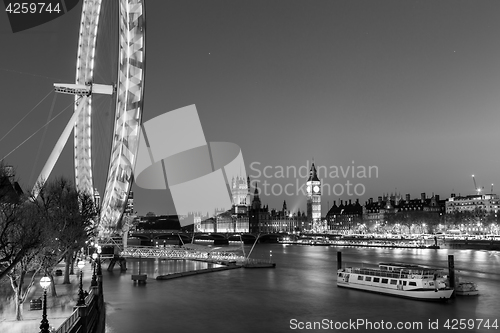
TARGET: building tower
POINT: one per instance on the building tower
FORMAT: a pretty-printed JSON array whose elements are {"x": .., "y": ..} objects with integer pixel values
[
  {"x": 256, "y": 203},
  {"x": 129, "y": 210},
  {"x": 97, "y": 198},
  {"x": 313, "y": 188},
  {"x": 255, "y": 210},
  {"x": 241, "y": 195}
]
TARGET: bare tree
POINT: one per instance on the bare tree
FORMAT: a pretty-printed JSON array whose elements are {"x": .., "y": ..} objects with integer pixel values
[
  {"x": 27, "y": 259},
  {"x": 20, "y": 226},
  {"x": 36, "y": 234},
  {"x": 402, "y": 218},
  {"x": 71, "y": 215},
  {"x": 28, "y": 264}
]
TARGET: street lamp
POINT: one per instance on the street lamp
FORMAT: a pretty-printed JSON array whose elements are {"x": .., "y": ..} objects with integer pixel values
[
  {"x": 93, "y": 283},
  {"x": 270, "y": 255},
  {"x": 44, "y": 325},
  {"x": 81, "y": 295},
  {"x": 99, "y": 272}
]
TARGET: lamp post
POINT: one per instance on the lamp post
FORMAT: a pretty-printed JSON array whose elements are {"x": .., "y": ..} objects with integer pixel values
[
  {"x": 44, "y": 325},
  {"x": 99, "y": 272},
  {"x": 93, "y": 283},
  {"x": 81, "y": 296}
]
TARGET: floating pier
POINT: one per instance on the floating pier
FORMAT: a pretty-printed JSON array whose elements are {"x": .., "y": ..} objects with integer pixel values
[
  {"x": 261, "y": 265},
  {"x": 139, "y": 278},
  {"x": 196, "y": 272}
]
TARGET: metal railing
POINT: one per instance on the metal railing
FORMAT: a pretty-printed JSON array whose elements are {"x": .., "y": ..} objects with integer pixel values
[
  {"x": 73, "y": 322},
  {"x": 177, "y": 253},
  {"x": 69, "y": 323},
  {"x": 395, "y": 275}
]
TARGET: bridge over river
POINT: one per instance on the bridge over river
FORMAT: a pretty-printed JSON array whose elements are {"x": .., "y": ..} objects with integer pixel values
[
  {"x": 160, "y": 237},
  {"x": 188, "y": 251},
  {"x": 153, "y": 237}
]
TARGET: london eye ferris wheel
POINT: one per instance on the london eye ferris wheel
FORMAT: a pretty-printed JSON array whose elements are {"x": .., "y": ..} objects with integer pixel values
[{"x": 125, "y": 21}]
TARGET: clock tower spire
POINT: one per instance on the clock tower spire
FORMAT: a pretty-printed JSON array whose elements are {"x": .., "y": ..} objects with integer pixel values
[{"x": 313, "y": 187}]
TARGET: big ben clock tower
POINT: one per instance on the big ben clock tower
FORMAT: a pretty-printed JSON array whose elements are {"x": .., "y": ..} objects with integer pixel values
[{"x": 313, "y": 188}]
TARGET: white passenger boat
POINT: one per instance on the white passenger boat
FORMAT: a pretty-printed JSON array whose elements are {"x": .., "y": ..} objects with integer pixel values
[{"x": 395, "y": 279}]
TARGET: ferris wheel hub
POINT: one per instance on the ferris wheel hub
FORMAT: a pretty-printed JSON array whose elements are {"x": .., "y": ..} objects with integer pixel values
[{"x": 83, "y": 89}]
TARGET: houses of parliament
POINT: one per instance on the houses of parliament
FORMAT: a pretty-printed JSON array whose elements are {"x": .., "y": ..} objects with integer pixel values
[{"x": 248, "y": 214}]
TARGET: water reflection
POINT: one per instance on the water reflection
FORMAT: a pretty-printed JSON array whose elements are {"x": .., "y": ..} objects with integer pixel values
[
  {"x": 301, "y": 287},
  {"x": 155, "y": 267}
]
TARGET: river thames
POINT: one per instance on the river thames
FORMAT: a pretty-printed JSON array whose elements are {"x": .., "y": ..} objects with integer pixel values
[{"x": 300, "y": 293}]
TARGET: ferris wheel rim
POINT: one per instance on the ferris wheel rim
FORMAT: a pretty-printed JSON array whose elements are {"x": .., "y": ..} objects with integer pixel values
[
  {"x": 129, "y": 100},
  {"x": 87, "y": 43}
]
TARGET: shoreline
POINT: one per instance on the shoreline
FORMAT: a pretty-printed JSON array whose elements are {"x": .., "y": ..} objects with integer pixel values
[{"x": 484, "y": 245}]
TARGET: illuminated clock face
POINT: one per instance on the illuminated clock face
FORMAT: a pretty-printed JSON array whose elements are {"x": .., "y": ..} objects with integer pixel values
[
  {"x": 309, "y": 189},
  {"x": 316, "y": 189}
]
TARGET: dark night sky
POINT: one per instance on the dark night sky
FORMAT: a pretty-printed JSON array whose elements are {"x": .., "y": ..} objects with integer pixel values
[{"x": 411, "y": 87}]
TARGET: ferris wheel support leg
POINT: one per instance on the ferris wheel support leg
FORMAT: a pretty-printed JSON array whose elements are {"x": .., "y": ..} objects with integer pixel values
[{"x": 56, "y": 152}]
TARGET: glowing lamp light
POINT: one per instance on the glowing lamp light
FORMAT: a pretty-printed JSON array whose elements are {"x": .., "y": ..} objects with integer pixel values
[
  {"x": 81, "y": 264},
  {"x": 94, "y": 256},
  {"x": 45, "y": 282},
  {"x": 99, "y": 250}
]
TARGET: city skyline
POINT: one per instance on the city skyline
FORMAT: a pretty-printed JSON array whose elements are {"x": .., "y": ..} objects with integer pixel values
[{"x": 409, "y": 89}]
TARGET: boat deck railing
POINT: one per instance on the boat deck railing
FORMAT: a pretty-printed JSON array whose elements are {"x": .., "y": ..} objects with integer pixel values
[{"x": 395, "y": 275}]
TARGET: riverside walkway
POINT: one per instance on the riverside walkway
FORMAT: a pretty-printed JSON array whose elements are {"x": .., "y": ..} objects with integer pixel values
[
  {"x": 59, "y": 308},
  {"x": 64, "y": 317}
]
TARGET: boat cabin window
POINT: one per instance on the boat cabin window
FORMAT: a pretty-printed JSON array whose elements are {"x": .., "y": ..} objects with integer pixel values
[
  {"x": 394, "y": 281},
  {"x": 388, "y": 268},
  {"x": 368, "y": 278},
  {"x": 412, "y": 283},
  {"x": 385, "y": 280},
  {"x": 360, "y": 277},
  {"x": 404, "y": 283},
  {"x": 341, "y": 274},
  {"x": 375, "y": 279}
]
